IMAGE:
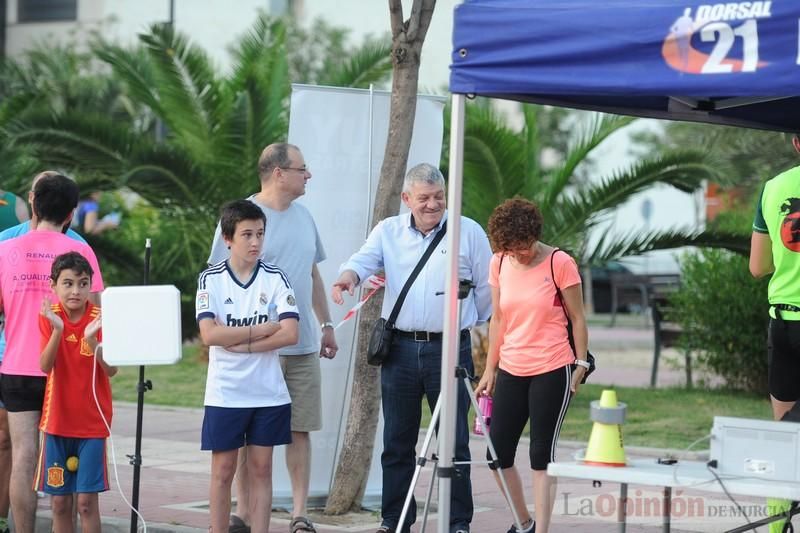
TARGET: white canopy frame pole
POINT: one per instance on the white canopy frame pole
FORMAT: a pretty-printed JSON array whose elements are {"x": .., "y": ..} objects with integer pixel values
[
  {"x": 452, "y": 327},
  {"x": 369, "y": 163}
]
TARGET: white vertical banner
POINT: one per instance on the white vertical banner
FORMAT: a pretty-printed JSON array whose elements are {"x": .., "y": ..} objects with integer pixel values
[{"x": 342, "y": 134}]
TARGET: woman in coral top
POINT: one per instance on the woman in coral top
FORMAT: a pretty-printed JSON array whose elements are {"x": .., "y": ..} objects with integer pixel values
[{"x": 531, "y": 369}]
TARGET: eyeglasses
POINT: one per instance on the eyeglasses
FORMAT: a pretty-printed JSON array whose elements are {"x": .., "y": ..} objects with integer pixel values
[{"x": 303, "y": 169}]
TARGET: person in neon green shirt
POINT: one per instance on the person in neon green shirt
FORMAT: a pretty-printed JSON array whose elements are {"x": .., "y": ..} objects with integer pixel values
[{"x": 775, "y": 249}]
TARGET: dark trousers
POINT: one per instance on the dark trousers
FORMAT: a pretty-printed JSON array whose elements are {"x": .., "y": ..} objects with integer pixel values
[
  {"x": 783, "y": 347},
  {"x": 541, "y": 400},
  {"x": 413, "y": 370}
]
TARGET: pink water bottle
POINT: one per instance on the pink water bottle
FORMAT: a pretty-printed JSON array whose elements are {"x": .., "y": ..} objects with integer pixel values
[{"x": 485, "y": 408}]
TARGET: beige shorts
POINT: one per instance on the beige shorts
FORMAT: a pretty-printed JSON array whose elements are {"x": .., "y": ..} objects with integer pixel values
[{"x": 304, "y": 382}]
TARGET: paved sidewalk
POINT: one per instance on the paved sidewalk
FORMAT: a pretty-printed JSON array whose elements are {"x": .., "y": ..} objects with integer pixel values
[
  {"x": 174, "y": 487},
  {"x": 175, "y": 473}
]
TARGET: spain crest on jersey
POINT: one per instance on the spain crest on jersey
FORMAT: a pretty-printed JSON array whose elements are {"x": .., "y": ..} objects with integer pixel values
[
  {"x": 55, "y": 476},
  {"x": 85, "y": 348}
]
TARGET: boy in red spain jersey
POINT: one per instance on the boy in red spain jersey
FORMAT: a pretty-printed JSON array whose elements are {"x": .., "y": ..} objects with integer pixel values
[{"x": 72, "y": 458}]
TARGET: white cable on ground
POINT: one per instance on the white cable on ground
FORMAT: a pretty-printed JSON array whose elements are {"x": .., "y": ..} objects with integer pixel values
[{"x": 143, "y": 526}]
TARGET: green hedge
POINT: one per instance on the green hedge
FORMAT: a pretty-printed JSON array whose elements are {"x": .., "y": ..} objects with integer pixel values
[{"x": 723, "y": 312}]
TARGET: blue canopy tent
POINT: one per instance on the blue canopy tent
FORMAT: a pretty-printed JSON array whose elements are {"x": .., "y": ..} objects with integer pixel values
[
  {"x": 733, "y": 63},
  {"x": 727, "y": 63}
]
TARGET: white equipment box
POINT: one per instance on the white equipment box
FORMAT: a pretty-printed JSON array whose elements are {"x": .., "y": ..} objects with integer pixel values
[
  {"x": 762, "y": 449},
  {"x": 141, "y": 325}
]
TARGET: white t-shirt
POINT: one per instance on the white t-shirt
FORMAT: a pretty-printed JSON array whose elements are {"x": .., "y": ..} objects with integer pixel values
[
  {"x": 242, "y": 379},
  {"x": 291, "y": 241}
]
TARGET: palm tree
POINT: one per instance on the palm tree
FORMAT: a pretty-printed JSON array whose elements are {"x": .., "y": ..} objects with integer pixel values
[
  {"x": 746, "y": 157},
  {"x": 192, "y": 140},
  {"x": 53, "y": 80},
  {"x": 501, "y": 162}
]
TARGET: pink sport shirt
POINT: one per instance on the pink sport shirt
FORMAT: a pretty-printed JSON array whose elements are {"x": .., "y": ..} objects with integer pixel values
[
  {"x": 535, "y": 337},
  {"x": 25, "y": 264}
]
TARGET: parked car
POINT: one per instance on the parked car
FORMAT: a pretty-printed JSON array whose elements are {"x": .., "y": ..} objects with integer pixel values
[{"x": 601, "y": 287}]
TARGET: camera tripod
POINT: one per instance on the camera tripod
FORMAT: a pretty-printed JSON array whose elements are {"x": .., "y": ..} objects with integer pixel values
[{"x": 461, "y": 373}]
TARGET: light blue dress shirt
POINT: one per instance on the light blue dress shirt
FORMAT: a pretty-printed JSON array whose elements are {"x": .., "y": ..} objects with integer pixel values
[{"x": 396, "y": 246}]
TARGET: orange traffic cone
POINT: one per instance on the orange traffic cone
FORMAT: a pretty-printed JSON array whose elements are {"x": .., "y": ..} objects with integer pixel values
[{"x": 605, "y": 442}]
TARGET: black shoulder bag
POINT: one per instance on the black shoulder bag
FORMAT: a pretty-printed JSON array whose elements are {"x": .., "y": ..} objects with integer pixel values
[
  {"x": 380, "y": 340},
  {"x": 570, "y": 336}
]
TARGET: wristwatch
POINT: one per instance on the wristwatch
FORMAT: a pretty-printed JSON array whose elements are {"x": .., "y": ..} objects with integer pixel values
[
  {"x": 324, "y": 325},
  {"x": 584, "y": 363}
]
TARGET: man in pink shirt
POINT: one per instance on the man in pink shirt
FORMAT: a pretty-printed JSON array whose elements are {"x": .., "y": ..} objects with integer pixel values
[{"x": 24, "y": 282}]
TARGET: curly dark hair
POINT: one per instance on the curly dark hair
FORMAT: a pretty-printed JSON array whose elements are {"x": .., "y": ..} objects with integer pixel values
[{"x": 515, "y": 224}]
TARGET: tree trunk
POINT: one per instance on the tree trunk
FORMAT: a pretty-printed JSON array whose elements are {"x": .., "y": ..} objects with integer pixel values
[
  {"x": 353, "y": 467},
  {"x": 352, "y": 470}
]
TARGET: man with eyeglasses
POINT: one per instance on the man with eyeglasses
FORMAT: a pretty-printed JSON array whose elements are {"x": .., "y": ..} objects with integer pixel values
[{"x": 292, "y": 243}]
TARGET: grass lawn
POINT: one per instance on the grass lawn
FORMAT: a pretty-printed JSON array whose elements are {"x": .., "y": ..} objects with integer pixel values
[
  {"x": 661, "y": 418},
  {"x": 658, "y": 418},
  {"x": 664, "y": 418},
  {"x": 181, "y": 384},
  {"x": 623, "y": 320}
]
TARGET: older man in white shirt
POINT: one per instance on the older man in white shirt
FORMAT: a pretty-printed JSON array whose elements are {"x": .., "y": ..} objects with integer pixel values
[{"x": 413, "y": 368}]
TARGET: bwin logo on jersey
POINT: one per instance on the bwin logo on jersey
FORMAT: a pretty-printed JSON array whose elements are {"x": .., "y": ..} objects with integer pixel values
[{"x": 232, "y": 321}]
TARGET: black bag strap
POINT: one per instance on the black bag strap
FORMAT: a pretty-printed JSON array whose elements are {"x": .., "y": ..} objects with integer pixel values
[
  {"x": 558, "y": 289},
  {"x": 417, "y": 269},
  {"x": 570, "y": 336}
]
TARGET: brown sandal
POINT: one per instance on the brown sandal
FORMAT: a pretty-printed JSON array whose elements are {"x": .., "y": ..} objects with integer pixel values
[{"x": 301, "y": 524}]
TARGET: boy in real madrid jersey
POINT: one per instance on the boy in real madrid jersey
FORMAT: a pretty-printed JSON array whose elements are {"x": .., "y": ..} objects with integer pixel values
[
  {"x": 245, "y": 311},
  {"x": 72, "y": 456}
]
